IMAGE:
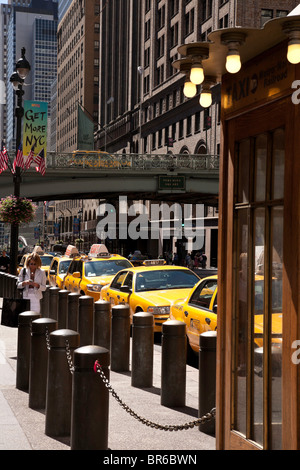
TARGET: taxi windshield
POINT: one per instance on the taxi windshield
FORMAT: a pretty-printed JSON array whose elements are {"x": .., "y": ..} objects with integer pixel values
[
  {"x": 46, "y": 260},
  {"x": 165, "y": 279},
  {"x": 105, "y": 267},
  {"x": 63, "y": 266}
]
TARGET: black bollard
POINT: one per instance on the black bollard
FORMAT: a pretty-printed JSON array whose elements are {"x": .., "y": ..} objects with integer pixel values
[
  {"x": 85, "y": 319},
  {"x": 1, "y": 283},
  {"x": 23, "y": 349},
  {"x": 73, "y": 308},
  {"x": 207, "y": 378},
  {"x": 59, "y": 382},
  {"x": 142, "y": 350},
  {"x": 53, "y": 302},
  {"x": 45, "y": 303},
  {"x": 62, "y": 312},
  {"x": 173, "y": 364},
  {"x": 90, "y": 400},
  {"x": 40, "y": 330},
  {"x": 4, "y": 287},
  {"x": 102, "y": 322},
  {"x": 120, "y": 337}
]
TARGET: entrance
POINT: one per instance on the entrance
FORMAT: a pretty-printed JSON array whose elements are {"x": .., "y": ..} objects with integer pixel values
[{"x": 252, "y": 280}]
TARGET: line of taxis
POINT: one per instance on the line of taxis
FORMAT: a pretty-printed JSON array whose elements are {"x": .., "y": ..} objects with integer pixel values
[{"x": 166, "y": 291}]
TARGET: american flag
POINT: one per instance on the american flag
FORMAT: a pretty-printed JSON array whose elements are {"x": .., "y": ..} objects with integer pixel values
[
  {"x": 19, "y": 159},
  {"x": 40, "y": 160},
  {"x": 30, "y": 158},
  {"x": 3, "y": 158}
]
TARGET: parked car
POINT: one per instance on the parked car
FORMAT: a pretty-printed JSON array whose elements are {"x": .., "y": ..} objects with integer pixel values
[
  {"x": 87, "y": 274},
  {"x": 150, "y": 288}
]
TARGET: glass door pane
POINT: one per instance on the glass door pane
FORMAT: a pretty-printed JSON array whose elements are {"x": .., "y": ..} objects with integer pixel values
[
  {"x": 241, "y": 321},
  {"x": 258, "y": 322},
  {"x": 276, "y": 323},
  {"x": 260, "y": 166}
]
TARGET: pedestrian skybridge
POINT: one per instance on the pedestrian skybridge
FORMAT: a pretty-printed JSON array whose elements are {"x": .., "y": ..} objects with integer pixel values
[{"x": 182, "y": 178}]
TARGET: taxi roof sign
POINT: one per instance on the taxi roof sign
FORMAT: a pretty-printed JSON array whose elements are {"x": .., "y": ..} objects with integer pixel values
[
  {"x": 154, "y": 262},
  {"x": 97, "y": 249},
  {"x": 38, "y": 249},
  {"x": 71, "y": 251}
]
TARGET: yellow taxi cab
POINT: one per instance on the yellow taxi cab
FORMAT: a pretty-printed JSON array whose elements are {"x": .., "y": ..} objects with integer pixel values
[
  {"x": 150, "y": 288},
  {"x": 88, "y": 274},
  {"x": 59, "y": 266},
  {"x": 46, "y": 259},
  {"x": 199, "y": 311}
]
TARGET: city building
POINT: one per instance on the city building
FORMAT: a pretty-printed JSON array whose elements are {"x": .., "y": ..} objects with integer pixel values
[
  {"x": 33, "y": 26},
  {"x": 77, "y": 71}
]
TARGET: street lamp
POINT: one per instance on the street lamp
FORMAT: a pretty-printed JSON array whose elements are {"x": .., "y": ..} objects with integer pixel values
[{"x": 17, "y": 80}]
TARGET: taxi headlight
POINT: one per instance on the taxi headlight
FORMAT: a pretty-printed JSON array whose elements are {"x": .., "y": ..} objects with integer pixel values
[
  {"x": 94, "y": 287},
  {"x": 159, "y": 310}
]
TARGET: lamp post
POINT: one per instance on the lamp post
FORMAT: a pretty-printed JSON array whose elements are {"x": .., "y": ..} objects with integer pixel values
[{"x": 17, "y": 80}]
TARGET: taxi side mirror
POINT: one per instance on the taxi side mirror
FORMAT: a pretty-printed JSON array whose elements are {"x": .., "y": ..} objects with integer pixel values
[
  {"x": 125, "y": 289},
  {"x": 76, "y": 274}
]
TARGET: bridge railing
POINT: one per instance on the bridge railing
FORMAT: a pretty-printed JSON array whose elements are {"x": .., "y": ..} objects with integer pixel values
[{"x": 132, "y": 162}]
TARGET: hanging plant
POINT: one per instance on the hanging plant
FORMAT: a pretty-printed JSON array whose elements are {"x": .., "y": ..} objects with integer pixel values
[{"x": 17, "y": 210}]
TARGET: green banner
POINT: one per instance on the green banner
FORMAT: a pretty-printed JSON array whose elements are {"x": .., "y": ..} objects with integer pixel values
[
  {"x": 85, "y": 131},
  {"x": 35, "y": 126}
]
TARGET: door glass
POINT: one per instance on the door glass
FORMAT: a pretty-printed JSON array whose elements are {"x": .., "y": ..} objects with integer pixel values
[
  {"x": 244, "y": 165},
  {"x": 258, "y": 323},
  {"x": 257, "y": 319},
  {"x": 276, "y": 323},
  {"x": 260, "y": 166},
  {"x": 241, "y": 320},
  {"x": 278, "y": 164}
]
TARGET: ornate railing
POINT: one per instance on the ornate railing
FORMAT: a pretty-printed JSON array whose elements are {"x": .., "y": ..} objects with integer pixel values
[
  {"x": 132, "y": 162},
  {"x": 127, "y": 162}
]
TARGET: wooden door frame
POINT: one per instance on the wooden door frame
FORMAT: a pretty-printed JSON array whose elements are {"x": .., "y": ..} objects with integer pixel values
[{"x": 268, "y": 116}]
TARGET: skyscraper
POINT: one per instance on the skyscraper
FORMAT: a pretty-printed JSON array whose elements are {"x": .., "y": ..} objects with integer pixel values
[{"x": 34, "y": 27}]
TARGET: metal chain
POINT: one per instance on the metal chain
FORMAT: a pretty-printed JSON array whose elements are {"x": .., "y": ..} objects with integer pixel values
[
  {"x": 47, "y": 339},
  {"x": 69, "y": 356},
  {"x": 209, "y": 416}
]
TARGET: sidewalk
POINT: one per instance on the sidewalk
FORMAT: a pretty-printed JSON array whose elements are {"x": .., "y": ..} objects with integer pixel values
[{"x": 22, "y": 428}]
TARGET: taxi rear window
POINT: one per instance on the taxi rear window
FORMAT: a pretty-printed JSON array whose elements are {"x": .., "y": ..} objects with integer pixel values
[{"x": 105, "y": 267}]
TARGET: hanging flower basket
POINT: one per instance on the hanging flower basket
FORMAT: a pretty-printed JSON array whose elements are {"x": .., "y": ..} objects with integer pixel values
[{"x": 17, "y": 210}]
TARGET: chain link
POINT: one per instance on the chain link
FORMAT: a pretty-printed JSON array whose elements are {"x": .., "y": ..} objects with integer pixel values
[
  {"x": 209, "y": 416},
  {"x": 69, "y": 356},
  {"x": 47, "y": 339}
]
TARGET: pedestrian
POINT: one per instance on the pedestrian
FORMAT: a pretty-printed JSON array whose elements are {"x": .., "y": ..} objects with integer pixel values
[
  {"x": 33, "y": 281},
  {"x": 196, "y": 260},
  {"x": 4, "y": 262}
]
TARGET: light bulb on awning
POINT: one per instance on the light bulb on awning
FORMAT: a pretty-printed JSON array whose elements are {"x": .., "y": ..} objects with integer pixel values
[
  {"x": 205, "y": 99},
  {"x": 233, "y": 63},
  {"x": 293, "y": 52},
  {"x": 197, "y": 74},
  {"x": 189, "y": 89}
]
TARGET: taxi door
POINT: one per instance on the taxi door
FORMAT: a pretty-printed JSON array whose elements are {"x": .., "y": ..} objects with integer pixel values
[
  {"x": 114, "y": 294},
  {"x": 201, "y": 313},
  {"x": 77, "y": 276},
  {"x": 53, "y": 273}
]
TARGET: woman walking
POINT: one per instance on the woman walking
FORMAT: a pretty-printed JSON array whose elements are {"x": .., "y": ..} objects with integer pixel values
[{"x": 33, "y": 281}]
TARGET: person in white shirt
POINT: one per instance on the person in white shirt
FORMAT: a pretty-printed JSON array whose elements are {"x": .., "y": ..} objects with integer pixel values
[{"x": 33, "y": 281}]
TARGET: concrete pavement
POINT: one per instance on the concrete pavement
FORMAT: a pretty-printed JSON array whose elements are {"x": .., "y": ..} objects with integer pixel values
[{"x": 22, "y": 428}]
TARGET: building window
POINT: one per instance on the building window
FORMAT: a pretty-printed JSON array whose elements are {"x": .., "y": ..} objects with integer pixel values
[
  {"x": 266, "y": 15},
  {"x": 189, "y": 21}
]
